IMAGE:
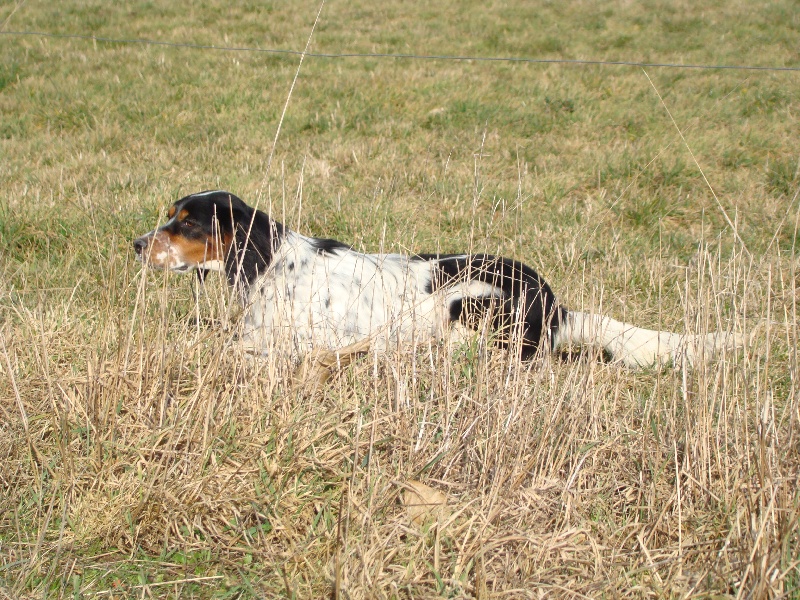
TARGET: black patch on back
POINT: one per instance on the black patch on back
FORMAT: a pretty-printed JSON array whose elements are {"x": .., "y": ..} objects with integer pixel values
[
  {"x": 433, "y": 258},
  {"x": 328, "y": 247},
  {"x": 527, "y": 306}
]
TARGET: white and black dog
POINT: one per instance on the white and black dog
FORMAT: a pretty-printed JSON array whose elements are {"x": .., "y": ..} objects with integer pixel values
[{"x": 323, "y": 294}]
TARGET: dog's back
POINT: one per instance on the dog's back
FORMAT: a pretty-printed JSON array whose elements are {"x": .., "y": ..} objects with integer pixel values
[{"x": 328, "y": 295}]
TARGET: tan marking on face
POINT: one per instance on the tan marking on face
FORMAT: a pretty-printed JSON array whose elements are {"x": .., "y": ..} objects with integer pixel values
[
  {"x": 171, "y": 212},
  {"x": 195, "y": 252},
  {"x": 169, "y": 250},
  {"x": 225, "y": 246},
  {"x": 183, "y": 214}
]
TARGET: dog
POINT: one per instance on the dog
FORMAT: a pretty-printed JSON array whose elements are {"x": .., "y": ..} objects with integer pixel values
[{"x": 325, "y": 297}]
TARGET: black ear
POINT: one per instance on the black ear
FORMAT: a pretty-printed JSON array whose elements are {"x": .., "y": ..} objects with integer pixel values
[{"x": 233, "y": 209}]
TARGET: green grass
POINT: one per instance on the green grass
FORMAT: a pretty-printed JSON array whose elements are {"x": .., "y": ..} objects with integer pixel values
[{"x": 142, "y": 454}]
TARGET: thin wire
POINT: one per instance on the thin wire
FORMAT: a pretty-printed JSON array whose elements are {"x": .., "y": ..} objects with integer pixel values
[{"x": 514, "y": 59}]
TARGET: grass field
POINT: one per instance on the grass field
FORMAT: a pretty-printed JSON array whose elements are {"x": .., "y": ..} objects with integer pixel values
[{"x": 142, "y": 454}]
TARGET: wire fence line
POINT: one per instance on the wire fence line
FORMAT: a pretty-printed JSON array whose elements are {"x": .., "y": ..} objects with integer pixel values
[{"x": 389, "y": 55}]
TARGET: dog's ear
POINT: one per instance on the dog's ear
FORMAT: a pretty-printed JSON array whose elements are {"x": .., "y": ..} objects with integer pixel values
[
  {"x": 227, "y": 213},
  {"x": 235, "y": 211}
]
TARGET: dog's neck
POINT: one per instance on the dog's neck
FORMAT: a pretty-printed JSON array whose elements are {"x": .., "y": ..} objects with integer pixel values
[{"x": 254, "y": 243}]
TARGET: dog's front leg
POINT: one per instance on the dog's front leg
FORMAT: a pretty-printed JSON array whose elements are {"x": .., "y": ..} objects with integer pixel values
[{"x": 319, "y": 365}]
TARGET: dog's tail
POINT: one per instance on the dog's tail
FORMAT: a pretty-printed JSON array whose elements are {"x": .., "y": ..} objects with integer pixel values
[{"x": 638, "y": 347}]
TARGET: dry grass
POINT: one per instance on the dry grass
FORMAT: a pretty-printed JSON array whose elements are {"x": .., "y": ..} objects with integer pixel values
[
  {"x": 177, "y": 456},
  {"x": 144, "y": 455}
]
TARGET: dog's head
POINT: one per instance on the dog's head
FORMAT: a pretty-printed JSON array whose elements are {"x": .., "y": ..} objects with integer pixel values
[
  {"x": 213, "y": 231},
  {"x": 197, "y": 235}
]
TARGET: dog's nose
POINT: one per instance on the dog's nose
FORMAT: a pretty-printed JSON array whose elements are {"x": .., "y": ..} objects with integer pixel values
[{"x": 139, "y": 245}]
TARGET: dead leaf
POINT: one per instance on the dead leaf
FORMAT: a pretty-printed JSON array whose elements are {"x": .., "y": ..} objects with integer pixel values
[{"x": 422, "y": 501}]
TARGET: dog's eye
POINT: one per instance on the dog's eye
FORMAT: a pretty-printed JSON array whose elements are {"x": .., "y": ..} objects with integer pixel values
[{"x": 188, "y": 224}]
